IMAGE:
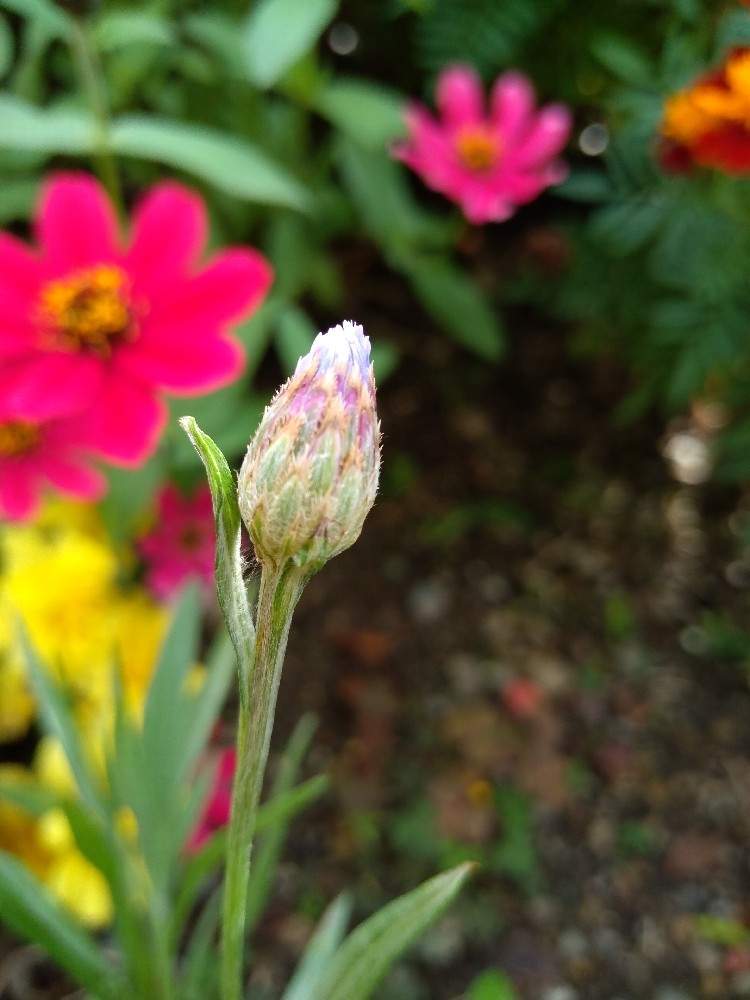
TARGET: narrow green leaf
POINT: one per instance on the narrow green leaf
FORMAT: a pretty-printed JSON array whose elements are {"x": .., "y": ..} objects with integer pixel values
[
  {"x": 279, "y": 32},
  {"x": 29, "y": 911},
  {"x": 370, "y": 114},
  {"x": 199, "y": 977},
  {"x": 29, "y": 796},
  {"x": 321, "y": 947},
  {"x": 208, "y": 859},
  {"x": 269, "y": 849},
  {"x": 457, "y": 304},
  {"x": 492, "y": 985},
  {"x": 230, "y": 585},
  {"x": 49, "y": 15},
  {"x": 114, "y": 29},
  {"x": 205, "y": 706},
  {"x": 368, "y": 952},
  {"x": 58, "y": 722},
  {"x": 233, "y": 165}
]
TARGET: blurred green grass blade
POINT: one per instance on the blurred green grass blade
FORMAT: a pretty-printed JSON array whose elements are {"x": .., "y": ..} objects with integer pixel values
[
  {"x": 199, "y": 977},
  {"x": 455, "y": 301},
  {"x": 29, "y": 911},
  {"x": 327, "y": 937},
  {"x": 114, "y": 29},
  {"x": 368, "y": 113},
  {"x": 58, "y": 722},
  {"x": 205, "y": 862},
  {"x": 279, "y": 32},
  {"x": 368, "y": 952},
  {"x": 206, "y": 704},
  {"x": 29, "y": 796},
  {"x": 267, "y": 855},
  {"x": 233, "y": 165}
]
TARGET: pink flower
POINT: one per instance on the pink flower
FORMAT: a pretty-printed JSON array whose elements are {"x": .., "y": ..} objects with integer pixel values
[
  {"x": 488, "y": 163},
  {"x": 92, "y": 323},
  {"x": 35, "y": 454},
  {"x": 218, "y": 805},
  {"x": 182, "y": 544}
]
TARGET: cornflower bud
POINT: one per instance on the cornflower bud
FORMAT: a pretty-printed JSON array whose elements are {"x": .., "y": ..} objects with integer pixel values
[{"x": 311, "y": 471}]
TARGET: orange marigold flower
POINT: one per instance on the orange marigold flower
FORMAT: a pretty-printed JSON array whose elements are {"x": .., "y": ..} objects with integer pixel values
[{"x": 708, "y": 123}]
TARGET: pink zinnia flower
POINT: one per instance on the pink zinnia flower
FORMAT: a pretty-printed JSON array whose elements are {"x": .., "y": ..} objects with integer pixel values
[
  {"x": 182, "y": 543},
  {"x": 218, "y": 805},
  {"x": 40, "y": 453},
  {"x": 90, "y": 323},
  {"x": 488, "y": 163}
]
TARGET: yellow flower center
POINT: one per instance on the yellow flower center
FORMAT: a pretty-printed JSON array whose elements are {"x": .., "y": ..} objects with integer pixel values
[
  {"x": 17, "y": 437},
  {"x": 477, "y": 149},
  {"x": 88, "y": 310}
]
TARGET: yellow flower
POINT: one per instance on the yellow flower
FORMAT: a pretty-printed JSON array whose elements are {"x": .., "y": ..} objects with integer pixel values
[
  {"x": 70, "y": 877},
  {"x": 19, "y": 834}
]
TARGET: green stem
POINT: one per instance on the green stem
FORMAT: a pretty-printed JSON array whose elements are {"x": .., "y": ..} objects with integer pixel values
[
  {"x": 90, "y": 75},
  {"x": 279, "y": 593}
]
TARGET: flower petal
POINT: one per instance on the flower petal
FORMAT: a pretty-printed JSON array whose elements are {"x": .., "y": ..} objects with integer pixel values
[
  {"x": 460, "y": 97},
  {"x": 73, "y": 476},
  {"x": 547, "y": 137},
  {"x": 126, "y": 421},
  {"x": 169, "y": 230},
  {"x": 76, "y": 224},
  {"x": 42, "y": 385},
  {"x": 512, "y": 104},
  {"x": 18, "y": 489},
  {"x": 187, "y": 361},
  {"x": 20, "y": 276}
]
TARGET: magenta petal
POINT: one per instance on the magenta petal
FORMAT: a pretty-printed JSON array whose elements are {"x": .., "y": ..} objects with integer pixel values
[
  {"x": 18, "y": 489},
  {"x": 20, "y": 276},
  {"x": 512, "y": 104},
  {"x": 44, "y": 385},
  {"x": 76, "y": 224},
  {"x": 547, "y": 137},
  {"x": 460, "y": 97},
  {"x": 126, "y": 421},
  {"x": 227, "y": 289},
  {"x": 169, "y": 230},
  {"x": 74, "y": 477},
  {"x": 188, "y": 361}
]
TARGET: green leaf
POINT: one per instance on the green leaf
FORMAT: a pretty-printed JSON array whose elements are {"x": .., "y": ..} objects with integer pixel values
[
  {"x": 370, "y": 114},
  {"x": 319, "y": 951},
  {"x": 30, "y": 912},
  {"x": 199, "y": 974},
  {"x": 6, "y": 47},
  {"x": 205, "y": 706},
  {"x": 114, "y": 29},
  {"x": 52, "y": 18},
  {"x": 58, "y": 722},
  {"x": 586, "y": 185},
  {"x": 368, "y": 952},
  {"x": 130, "y": 493},
  {"x": 230, "y": 585},
  {"x": 44, "y": 130},
  {"x": 231, "y": 164},
  {"x": 492, "y": 985},
  {"x": 294, "y": 337},
  {"x": 279, "y": 32},
  {"x": 456, "y": 303},
  {"x": 17, "y": 199},
  {"x": 733, "y": 30},
  {"x": 267, "y": 854},
  {"x": 623, "y": 59}
]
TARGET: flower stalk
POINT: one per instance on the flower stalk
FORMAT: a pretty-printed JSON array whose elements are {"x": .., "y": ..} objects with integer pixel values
[{"x": 279, "y": 592}]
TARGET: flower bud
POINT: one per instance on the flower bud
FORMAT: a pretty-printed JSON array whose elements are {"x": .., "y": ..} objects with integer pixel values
[{"x": 311, "y": 471}]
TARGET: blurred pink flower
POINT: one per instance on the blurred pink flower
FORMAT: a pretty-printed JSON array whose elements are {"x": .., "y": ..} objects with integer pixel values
[
  {"x": 488, "y": 163},
  {"x": 36, "y": 454},
  {"x": 182, "y": 543},
  {"x": 94, "y": 324},
  {"x": 218, "y": 804}
]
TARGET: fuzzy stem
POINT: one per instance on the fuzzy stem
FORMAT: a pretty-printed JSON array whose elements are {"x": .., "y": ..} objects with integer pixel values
[
  {"x": 90, "y": 75},
  {"x": 279, "y": 593}
]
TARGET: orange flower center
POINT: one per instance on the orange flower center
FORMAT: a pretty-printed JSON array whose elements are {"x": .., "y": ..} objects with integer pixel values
[
  {"x": 88, "y": 310},
  {"x": 477, "y": 149},
  {"x": 17, "y": 437}
]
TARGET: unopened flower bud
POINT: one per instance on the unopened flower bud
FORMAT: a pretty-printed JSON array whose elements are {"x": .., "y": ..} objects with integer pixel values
[{"x": 311, "y": 471}]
